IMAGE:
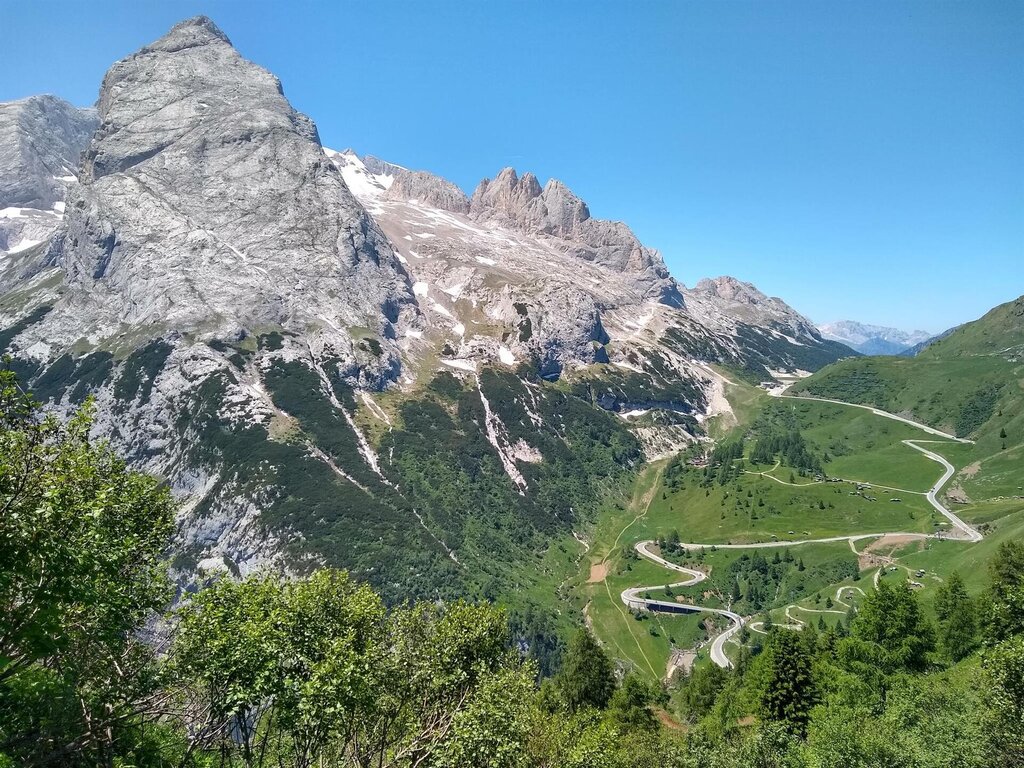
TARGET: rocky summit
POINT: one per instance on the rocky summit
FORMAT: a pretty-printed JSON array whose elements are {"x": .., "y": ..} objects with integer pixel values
[
  {"x": 873, "y": 339},
  {"x": 206, "y": 206},
  {"x": 335, "y": 359},
  {"x": 41, "y": 141}
]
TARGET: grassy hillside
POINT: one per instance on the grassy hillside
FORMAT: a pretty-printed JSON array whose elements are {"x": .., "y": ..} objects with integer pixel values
[
  {"x": 808, "y": 488},
  {"x": 971, "y": 382},
  {"x": 999, "y": 332},
  {"x": 790, "y": 470}
]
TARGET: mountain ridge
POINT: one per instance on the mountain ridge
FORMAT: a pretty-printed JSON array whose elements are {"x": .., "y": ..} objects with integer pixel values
[
  {"x": 331, "y": 365},
  {"x": 872, "y": 339}
]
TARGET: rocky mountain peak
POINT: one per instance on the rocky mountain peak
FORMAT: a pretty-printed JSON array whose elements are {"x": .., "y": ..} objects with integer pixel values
[
  {"x": 41, "y": 141},
  {"x": 731, "y": 289},
  {"x": 377, "y": 166},
  {"x": 872, "y": 339},
  {"x": 428, "y": 189},
  {"x": 207, "y": 204},
  {"x": 565, "y": 211},
  {"x": 506, "y": 198},
  {"x": 739, "y": 301},
  {"x": 554, "y": 211},
  {"x": 191, "y": 33}
]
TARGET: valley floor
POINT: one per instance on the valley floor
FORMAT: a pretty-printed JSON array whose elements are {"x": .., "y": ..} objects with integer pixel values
[{"x": 875, "y": 513}]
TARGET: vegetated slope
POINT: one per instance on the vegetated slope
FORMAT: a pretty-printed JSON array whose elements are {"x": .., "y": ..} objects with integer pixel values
[
  {"x": 959, "y": 383},
  {"x": 334, "y": 360},
  {"x": 764, "y": 482},
  {"x": 971, "y": 383}
]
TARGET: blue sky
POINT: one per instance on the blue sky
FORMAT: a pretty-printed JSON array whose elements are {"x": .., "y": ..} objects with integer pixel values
[{"x": 861, "y": 160}]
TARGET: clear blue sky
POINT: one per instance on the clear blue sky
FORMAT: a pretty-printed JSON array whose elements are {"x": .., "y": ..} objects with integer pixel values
[{"x": 861, "y": 160}]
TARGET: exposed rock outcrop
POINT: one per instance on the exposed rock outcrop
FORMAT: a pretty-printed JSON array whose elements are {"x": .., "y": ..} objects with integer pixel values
[
  {"x": 428, "y": 189},
  {"x": 41, "y": 140},
  {"x": 873, "y": 339},
  {"x": 743, "y": 302},
  {"x": 522, "y": 204},
  {"x": 207, "y": 205}
]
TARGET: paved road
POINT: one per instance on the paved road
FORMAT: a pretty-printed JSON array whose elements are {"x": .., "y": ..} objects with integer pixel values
[
  {"x": 966, "y": 531},
  {"x": 877, "y": 411},
  {"x": 634, "y": 598}
]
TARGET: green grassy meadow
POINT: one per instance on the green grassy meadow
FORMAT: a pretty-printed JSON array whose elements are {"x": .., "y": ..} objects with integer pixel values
[{"x": 774, "y": 502}]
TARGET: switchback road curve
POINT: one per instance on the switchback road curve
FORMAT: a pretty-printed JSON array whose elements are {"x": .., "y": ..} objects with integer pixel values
[{"x": 635, "y": 598}]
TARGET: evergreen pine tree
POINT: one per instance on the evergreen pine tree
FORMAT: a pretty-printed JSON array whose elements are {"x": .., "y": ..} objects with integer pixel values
[
  {"x": 958, "y": 623},
  {"x": 587, "y": 678},
  {"x": 789, "y": 693}
]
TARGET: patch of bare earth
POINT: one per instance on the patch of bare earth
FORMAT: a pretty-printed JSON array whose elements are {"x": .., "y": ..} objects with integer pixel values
[
  {"x": 971, "y": 469},
  {"x": 668, "y": 721},
  {"x": 879, "y": 552},
  {"x": 681, "y": 661},
  {"x": 958, "y": 495},
  {"x": 598, "y": 572}
]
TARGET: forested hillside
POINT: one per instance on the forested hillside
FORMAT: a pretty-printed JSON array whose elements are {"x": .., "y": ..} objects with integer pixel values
[{"x": 318, "y": 671}]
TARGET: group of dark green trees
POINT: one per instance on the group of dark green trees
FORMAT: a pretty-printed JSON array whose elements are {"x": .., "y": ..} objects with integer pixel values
[
  {"x": 897, "y": 689},
  {"x": 96, "y": 670}
]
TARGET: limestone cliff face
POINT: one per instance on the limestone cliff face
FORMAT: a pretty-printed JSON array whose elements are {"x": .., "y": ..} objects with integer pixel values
[
  {"x": 41, "y": 139},
  {"x": 41, "y": 142},
  {"x": 207, "y": 205},
  {"x": 556, "y": 212},
  {"x": 428, "y": 189}
]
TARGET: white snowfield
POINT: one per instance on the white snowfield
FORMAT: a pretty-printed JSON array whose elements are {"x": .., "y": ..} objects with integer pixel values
[{"x": 961, "y": 531}]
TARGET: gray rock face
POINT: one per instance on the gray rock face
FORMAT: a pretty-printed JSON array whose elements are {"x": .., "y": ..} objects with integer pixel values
[
  {"x": 426, "y": 188},
  {"x": 872, "y": 339},
  {"x": 41, "y": 140},
  {"x": 207, "y": 204},
  {"x": 521, "y": 204},
  {"x": 740, "y": 301},
  {"x": 380, "y": 167},
  {"x": 561, "y": 325}
]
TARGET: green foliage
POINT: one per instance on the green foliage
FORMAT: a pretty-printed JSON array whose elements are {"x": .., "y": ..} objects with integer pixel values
[
  {"x": 1004, "y": 658},
  {"x": 777, "y": 436},
  {"x": 957, "y": 618},
  {"x": 315, "y": 671},
  {"x": 925, "y": 723},
  {"x": 1006, "y": 591},
  {"x": 698, "y": 691},
  {"x": 587, "y": 678},
  {"x": 81, "y": 571},
  {"x": 976, "y": 410},
  {"x": 890, "y": 633},
  {"x": 1004, "y": 664},
  {"x": 139, "y": 371},
  {"x": 789, "y": 690},
  {"x": 630, "y": 704}
]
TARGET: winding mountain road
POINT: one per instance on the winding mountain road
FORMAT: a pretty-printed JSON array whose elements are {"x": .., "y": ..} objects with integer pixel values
[{"x": 635, "y": 598}]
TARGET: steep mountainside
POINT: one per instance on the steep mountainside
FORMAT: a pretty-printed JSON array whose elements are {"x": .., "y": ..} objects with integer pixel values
[
  {"x": 923, "y": 345},
  {"x": 338, "y": 360},
  {"x": 872, "y": 339},
  {"x": 971, "y": 381},
  {"x": 41, "y": 140}
]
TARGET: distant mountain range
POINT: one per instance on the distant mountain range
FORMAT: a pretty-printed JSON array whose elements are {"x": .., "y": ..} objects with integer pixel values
[{"x": 873, "y": 339}]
